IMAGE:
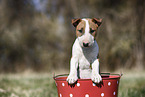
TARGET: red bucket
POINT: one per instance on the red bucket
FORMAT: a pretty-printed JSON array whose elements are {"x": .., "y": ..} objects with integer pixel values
[{"x": 86, "y": 88}]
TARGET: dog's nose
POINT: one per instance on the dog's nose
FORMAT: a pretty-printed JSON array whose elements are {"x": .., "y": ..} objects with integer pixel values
[{"x": 85, "y": 44}]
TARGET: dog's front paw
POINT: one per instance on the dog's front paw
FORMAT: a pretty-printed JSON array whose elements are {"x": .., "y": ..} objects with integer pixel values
[
  {"x": 96, "y": 78},
  {"x": 71, "y": 79}
]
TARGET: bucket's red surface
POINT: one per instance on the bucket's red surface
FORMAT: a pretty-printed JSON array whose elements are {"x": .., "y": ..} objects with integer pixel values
[{"x": 86, "y": 88}]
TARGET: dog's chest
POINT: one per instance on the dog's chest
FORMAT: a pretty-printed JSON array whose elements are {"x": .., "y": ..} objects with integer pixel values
[
  {"x": 87, "y": 57},
  {"x": 84, "y": 63}
]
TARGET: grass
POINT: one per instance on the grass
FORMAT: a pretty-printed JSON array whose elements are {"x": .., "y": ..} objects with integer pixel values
[
  {"x": 132, "y": 85},
  {"x": 29, "y": 85},
  {"x": 43, "y": 85}
]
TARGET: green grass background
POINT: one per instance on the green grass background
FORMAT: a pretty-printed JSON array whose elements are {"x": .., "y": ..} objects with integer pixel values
[{"x": 132, "y": 84}]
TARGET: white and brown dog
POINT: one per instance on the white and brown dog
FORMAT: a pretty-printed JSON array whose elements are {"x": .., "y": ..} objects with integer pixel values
[{"x": 84, "y": 62}]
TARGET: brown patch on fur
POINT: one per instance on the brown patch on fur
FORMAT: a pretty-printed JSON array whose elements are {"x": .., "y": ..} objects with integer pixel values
[
  {"x": 97, "y": 21},
  {"x": 81, "y": 26},
  {"x": 75, "y": 22},
  {"x": 94, "y": 27}
]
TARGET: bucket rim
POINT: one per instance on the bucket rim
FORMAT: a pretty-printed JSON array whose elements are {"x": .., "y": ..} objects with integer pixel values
[{"x": 102, "y": 74}]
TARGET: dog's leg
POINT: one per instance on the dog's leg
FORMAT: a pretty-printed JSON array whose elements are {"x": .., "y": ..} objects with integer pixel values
[
  {"x": 72, "y": 78},
  {"x": 96, "y": 78}
]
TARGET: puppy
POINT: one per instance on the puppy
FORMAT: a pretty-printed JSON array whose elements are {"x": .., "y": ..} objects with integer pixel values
[{"x": 84, "y": 63}]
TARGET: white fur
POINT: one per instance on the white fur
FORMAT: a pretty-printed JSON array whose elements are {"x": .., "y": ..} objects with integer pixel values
[{"x": 85, "y": 58}]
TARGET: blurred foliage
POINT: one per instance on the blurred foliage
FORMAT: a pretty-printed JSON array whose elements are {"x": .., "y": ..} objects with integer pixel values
[{"x": 38, "y": 35}]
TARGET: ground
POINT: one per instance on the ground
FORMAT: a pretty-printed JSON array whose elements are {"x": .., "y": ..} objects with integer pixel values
[{"x": 132, "y": 84}]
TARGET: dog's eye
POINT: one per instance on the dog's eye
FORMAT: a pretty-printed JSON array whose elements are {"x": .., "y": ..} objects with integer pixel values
[
  {"x": 92, "y": 31},
  {"x": 81, "y": 30}
]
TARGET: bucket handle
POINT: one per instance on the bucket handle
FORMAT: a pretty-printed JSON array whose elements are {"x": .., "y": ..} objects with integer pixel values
[
  {"x": 121, "y": 74},
  {"x": 67, "y": 75},
  {"x": 59, "y": 75},
  {"x": 105, "y": 73}
]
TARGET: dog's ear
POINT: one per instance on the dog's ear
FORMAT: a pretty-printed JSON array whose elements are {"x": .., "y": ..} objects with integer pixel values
[
  {"x": 75, "y": 22},
  {"x": 97, "y": 21}
]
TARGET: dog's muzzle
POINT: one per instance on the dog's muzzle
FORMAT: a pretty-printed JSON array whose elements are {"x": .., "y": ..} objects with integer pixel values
[{"x": 85, "y": 44}]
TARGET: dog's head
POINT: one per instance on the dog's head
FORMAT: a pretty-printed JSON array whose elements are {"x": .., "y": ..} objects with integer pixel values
[{"x": 86, "y": 30}]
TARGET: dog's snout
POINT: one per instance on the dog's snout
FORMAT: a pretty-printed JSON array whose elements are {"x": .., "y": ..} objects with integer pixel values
[{"x": 85, "y": 44}]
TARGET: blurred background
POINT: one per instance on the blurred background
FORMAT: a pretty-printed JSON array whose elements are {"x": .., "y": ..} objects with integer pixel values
[{"x": 38, "y": 35}]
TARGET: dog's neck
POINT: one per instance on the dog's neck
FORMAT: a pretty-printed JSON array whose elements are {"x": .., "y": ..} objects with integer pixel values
[
  {"x": 89, "y": 52},
  {"x": 89, "y": 49}
]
